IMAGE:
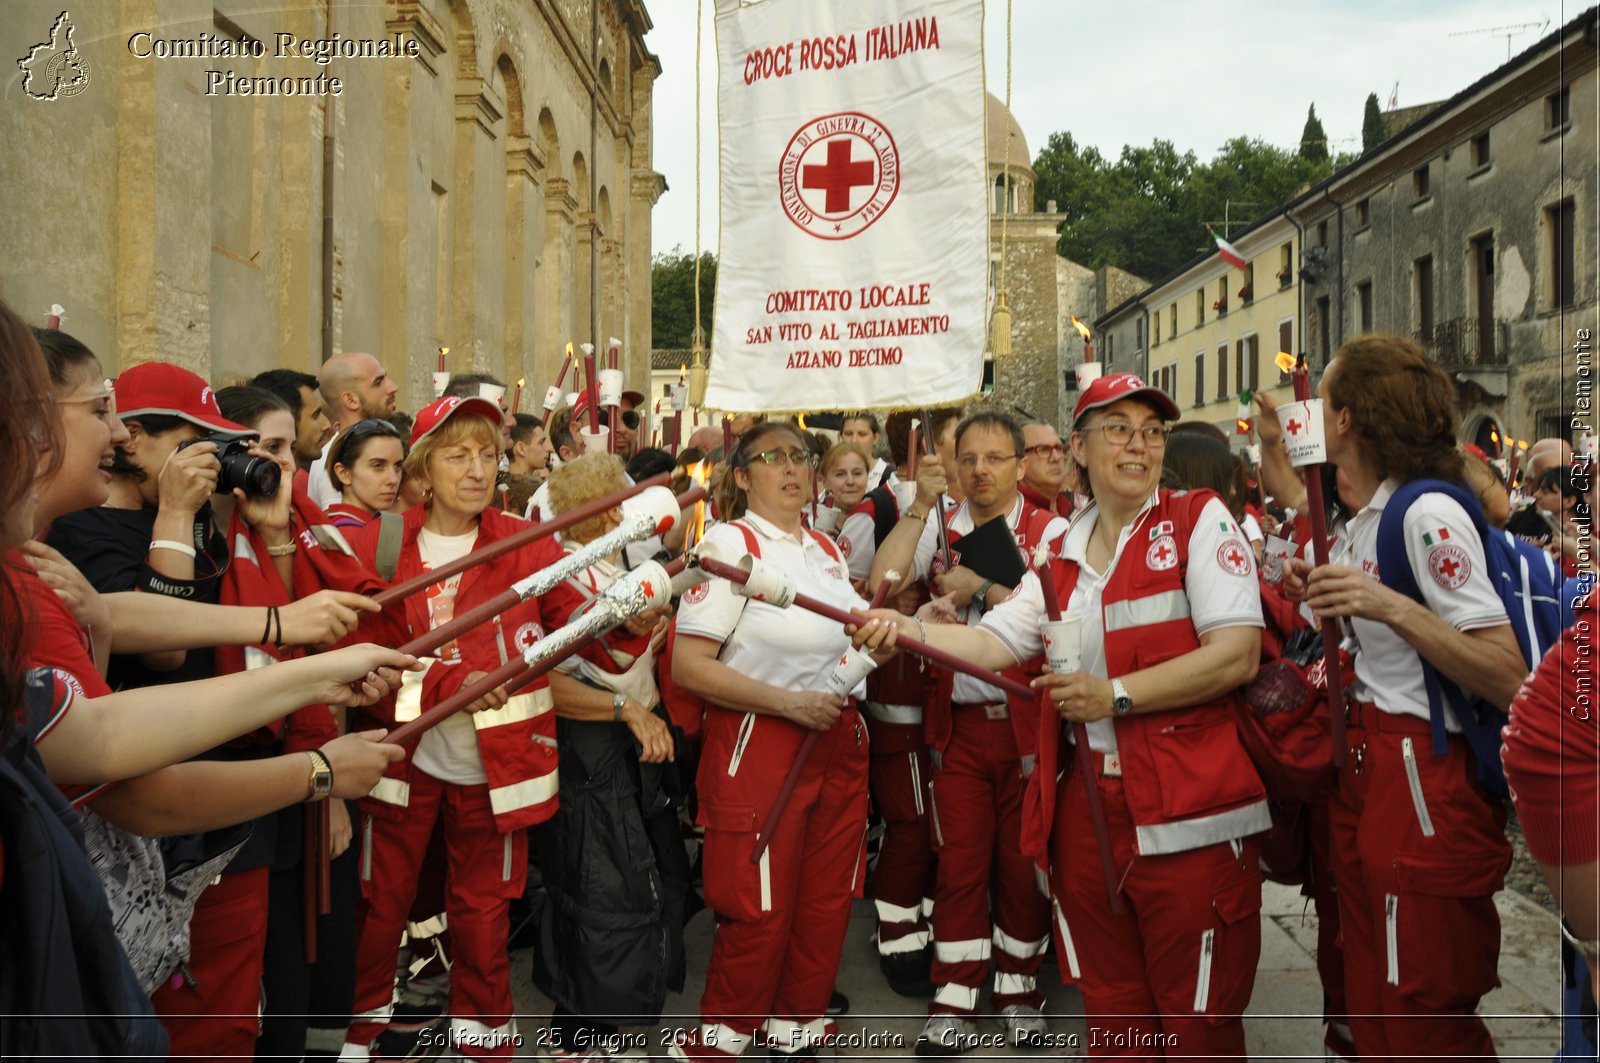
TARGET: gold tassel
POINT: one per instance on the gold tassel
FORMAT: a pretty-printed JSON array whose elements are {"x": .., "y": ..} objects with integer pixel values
[
  {"x": 697, "y": 370},
  {"x": 1000, "y": 327}
]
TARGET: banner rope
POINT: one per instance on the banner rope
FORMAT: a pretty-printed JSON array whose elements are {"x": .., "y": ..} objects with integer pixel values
[
  {"x": 697, "y": 342},
  {"x": 1000, "y": 319}
]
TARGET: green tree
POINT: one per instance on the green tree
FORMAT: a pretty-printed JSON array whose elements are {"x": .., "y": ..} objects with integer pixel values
[
  {"x": 1146, "y": 211},
  {"x": 1371, "y": 124},
  {"x": 672, "y": 297},
  {"x": 1313, "y": 140}
]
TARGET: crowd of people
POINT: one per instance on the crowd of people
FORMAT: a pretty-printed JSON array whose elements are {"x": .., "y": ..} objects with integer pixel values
[{"x": 213, "y": 850}]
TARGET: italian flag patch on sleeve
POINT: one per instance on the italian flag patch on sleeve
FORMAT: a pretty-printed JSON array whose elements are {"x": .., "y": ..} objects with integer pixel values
[{"x": 1434, "y": 537}]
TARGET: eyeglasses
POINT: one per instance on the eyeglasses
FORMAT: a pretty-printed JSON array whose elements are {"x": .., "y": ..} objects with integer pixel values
[
  {"x": 1119, "y": 433},
  {"x": 1046, "y": 450},
  {"x": 106, "y": 413},
  {"x": 802, "y": 459},
  {"x": 972, "y": 461}
]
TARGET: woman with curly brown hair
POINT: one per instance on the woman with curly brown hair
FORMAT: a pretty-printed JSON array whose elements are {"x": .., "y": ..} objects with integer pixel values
[{"x": 1418, "y": 845}]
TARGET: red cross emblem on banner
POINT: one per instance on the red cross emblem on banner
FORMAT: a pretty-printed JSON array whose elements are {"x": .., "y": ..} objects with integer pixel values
[{"x": 838, "y": 176}]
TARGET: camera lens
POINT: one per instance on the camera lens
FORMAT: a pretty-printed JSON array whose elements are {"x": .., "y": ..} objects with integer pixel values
[{"x": 256, "y": 477}]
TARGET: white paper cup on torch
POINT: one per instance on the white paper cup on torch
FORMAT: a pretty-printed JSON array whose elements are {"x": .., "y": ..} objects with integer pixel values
[
  {"x": 657, "y": 503},
  {"x": 611, "y": 387},
  {"x": 1274, "y": 554},
  {"x": 849, "y": 669},
  {"x": 905, "y": 494},
  {"x": 826, "y": 519},
  {"x": 1303, "y": 434},
  {"x": 552, "y": 398},
  {"x": 440, "y": 382},
  {"x": 767, "y": 584},
  {"x": 1253, "y": 453},
  {"x": 493, "y": 392},
  {"x": 1061, "y": 644},
  {"x": 680, "y": 397},
  {"x": 1087, "y": 373},
  {"x": 596, "y": 442}
]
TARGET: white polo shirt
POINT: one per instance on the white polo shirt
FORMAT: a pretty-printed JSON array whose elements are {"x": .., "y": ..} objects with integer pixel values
[
  {"x": 969, "y": 691},
  {"x": 319, "y": 481},
  {"x": 1448, "y": 564},
  {"x": 793, "y": 648},
  {"x": 1220, "y": 595}
]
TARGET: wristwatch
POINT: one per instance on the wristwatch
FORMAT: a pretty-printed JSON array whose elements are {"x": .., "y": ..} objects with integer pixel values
[
  {"x": 1121, "y": 703},
  {"x": 981, "y": 598},
  {"x": 321, "y": 775},
  {"x": 618, "y": 703}
]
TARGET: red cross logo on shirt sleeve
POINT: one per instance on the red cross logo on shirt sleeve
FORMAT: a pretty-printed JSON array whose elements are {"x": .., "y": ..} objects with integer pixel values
[
  {"x": 1163, "y": 552},
  {"x": 1233, "y": 557}
]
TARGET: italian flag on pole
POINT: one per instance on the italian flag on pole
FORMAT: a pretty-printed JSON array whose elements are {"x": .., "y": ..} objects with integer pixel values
[{"x": 1229, "y": 253}]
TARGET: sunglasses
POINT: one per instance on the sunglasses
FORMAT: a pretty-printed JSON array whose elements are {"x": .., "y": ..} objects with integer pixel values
[{"x": 372, "y": 426}]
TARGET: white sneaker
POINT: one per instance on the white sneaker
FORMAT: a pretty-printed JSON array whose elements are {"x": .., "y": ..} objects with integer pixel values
[
  {"x": 1024, "y": 1026},
  {"x": 947, "y": 1035}
]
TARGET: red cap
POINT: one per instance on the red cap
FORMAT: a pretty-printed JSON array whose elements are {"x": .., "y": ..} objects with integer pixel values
[
  {"x": 438, "y": 412},
  {"x": 161, "y": 388},
  {"x": 635, "y": 397},
  {"x": 1119, "y": 386}
]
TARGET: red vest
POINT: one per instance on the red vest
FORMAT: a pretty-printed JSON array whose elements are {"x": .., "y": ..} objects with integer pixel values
[
  {"x": 1188, "y": 780},
  {"x": 517, "y": 741},
  {"x": 1032, "y": 523}
]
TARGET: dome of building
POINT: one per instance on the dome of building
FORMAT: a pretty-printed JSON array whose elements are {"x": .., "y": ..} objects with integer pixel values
[{"x": 998, "y": 123}]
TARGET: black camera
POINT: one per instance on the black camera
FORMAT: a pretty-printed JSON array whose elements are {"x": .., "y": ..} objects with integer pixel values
[{"x": 256, "y": 477}]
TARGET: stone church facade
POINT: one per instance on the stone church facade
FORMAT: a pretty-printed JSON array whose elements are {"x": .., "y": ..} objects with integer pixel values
[{"x": 491, "y": 194}]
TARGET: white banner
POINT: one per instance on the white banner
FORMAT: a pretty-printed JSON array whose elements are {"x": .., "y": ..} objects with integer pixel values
[{"x": 853, "y": 256}]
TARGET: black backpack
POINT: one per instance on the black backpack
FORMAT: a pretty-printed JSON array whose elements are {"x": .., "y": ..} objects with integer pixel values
[{"x": 66, "y": 988}]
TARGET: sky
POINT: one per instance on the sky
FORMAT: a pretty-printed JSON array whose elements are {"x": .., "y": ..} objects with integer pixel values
[{"x": 1133, "y": 71}]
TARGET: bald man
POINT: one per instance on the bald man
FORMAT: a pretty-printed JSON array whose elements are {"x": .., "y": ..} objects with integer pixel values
[
  {"x": 1525, "y": 522},
  {"x": 354, "y": 387}
]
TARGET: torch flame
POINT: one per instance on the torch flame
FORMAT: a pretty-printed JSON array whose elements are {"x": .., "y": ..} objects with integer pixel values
[
  {"x": 801, "y": 421},
  {"x": 699, "y": 473},
  {"x": 1083, "y": 330},
  {"x": 521, "y": 380},
  {"x": 1494, "y": 437},
  {"x": 1285, "y": 362},
  {"x": 443, "y": 351}
]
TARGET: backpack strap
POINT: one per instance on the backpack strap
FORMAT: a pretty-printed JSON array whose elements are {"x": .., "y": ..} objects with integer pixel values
[
  {"x": 885, "y": 512},
  {"x": 391, "y": 529},
  {"x": 1394, "y": 571}
]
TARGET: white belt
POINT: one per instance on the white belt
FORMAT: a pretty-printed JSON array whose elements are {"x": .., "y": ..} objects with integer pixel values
[{"x": 902, "y": 714}]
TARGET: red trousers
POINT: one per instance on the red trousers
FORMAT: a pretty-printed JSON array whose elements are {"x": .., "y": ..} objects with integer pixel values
[
  {"x": 1171, "y": 975},
  {"x": 780, "y": 921},
  {"x": 219, "y": 1016},
  {"x": 977, "y": 826},
  {"x": 902, "y": 884},
  {"x": 485, "y": 869},
  {"x": 1419, "y": 851},
  {"x": 1330, "y": 951}
]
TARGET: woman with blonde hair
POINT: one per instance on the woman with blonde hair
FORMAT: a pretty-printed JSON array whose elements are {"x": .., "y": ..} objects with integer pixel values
[{"x": 486, "y": 772}]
